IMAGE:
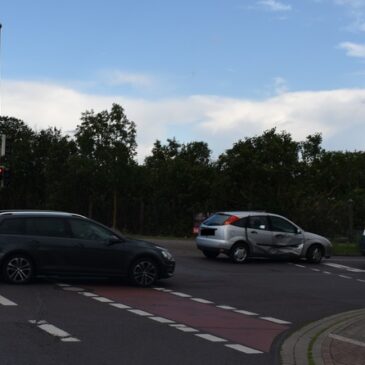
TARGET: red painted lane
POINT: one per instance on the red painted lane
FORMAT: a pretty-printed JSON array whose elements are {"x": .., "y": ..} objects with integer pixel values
[{"x": 238, "y": 328}]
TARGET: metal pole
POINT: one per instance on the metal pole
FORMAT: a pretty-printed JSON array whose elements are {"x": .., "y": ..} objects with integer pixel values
[{"x": 0, "y": 73}]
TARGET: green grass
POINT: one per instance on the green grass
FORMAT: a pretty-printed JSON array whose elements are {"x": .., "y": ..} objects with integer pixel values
[{"x": 346, "y": 249}]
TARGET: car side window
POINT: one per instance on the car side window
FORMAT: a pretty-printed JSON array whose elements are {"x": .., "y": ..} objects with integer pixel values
[
  {"x": 281, "y": 225},
  {"x": 242, "y": 223},
  {"x": 258, "y": 222},
  {"x": 12, "y": 226},
  {"x": 89, "y": 231},
  {"x": 42, "y": 226}
]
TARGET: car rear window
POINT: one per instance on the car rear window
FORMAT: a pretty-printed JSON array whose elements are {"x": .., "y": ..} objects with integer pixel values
[{"x": 216, "y": 220}]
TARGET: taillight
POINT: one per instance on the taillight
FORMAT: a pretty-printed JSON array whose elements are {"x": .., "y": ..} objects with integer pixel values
[{"x": 231, "y": 220}]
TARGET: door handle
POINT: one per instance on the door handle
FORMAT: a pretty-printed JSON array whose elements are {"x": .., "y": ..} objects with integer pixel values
[
  {"x": 254, "y": 232},
  {"x": 279, "y": 236}
]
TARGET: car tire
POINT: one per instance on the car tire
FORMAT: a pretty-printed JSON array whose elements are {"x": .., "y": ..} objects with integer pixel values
[
  {"x": 210, "y": 254},
  {"x": 315, "y": 254},
  {"x": 239, "y": 253},
  {"x": 18, "y": 269},
  {"x": 143, "y": 272}
]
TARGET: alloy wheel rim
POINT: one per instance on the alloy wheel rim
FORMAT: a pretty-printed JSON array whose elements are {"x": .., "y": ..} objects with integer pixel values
[
  {"x": 19, "y": 269},
  {"x": 145, "y": 273},
  {"x": 240, "y": 254},
  {"x": 316, "y": 254}
]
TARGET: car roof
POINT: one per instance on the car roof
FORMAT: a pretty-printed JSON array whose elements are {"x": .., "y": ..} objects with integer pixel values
[
  {"x": 244, "y": 213},
  {"x": 29, "y": 212}
]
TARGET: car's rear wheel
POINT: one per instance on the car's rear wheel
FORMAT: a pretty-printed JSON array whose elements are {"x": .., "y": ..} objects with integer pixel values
[
  {"x": 239, "y": 253},
  {"x": 210, "y": 254},
  {"x": 315, "y": 254},
  {"x": 143, "y": 272},
  {"x": 18, "y": 269}
]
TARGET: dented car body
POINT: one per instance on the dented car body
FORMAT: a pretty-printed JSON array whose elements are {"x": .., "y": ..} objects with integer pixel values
[{"x": 259, "y": 234}]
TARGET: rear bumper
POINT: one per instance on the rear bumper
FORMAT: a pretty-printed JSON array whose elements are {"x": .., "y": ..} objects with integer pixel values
[{"x": 208, "y": 243}]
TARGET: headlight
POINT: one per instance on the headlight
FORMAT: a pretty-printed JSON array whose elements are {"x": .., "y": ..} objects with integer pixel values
[{"x": 167, "y": 255}]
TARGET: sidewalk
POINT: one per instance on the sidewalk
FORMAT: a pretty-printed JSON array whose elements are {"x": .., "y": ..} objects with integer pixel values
[{"x": 335, "y": 340}]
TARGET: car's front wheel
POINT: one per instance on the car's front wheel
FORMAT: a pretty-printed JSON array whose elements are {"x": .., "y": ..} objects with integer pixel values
[
  {"x": 143, "y": 272},
  {"x": 18, "y": 269},
  {"x": 315, "y": 254}
]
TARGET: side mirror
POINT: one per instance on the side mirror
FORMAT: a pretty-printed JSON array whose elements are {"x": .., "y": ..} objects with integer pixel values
[
  {"x": 113, "y": 240},
  {"x": 299, "y": 231}
]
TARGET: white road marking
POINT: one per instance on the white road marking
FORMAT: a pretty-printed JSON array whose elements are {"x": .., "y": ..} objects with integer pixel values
[
  {"x": 246, "y": 350},
  {"x": 5, "y": 301},
  {"x": 70, "y": 339},
  {"x": 246, "y": 313},
  {"x": 226, "y": 307},
  {"x": 88, "y": 294},
  {"x": 119, "y": 305},
  {"x": 200, "y": 300},
  {"x": 362, "y": 281},
  {"x": 182, "y": 327},
  {"x": 140, "y": 313},
  {"x": 161, "y": 320},
  {"x": 317, "y": 270},
  {"x": 103, "y": 300},
  {"x": 211, "y": 338},
  {"x": 63, "y": 285},
  {"x": 327, "y": 272},
  {"x": 275, "y": 320},
  {"x": 345, "y": 276},
  {"x": 344, "y": 267},
  {"x": 54, "y": 331},
  {"x": 348, "y": 340},
  {"x": 72, "y": 288},
  {"x": 183, "y": 295},
  {"x": 299, "y": 265}
]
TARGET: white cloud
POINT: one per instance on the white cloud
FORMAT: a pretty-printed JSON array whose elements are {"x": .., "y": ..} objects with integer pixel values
[
  {"x": 356, "y": 11},
  {"x": 220, "y": 121},
  {"x": 280, "y": 85},
  {"x": 353, "y": 49},
  {"x": 274, "y": 5}
]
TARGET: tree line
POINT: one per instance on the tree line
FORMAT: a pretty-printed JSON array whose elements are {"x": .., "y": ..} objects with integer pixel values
[{"x": 95, "y": 173}]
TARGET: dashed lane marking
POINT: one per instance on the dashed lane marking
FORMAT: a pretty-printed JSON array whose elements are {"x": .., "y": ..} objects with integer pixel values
[
  {"x": 344, "y": 267},
  {"x": 247, "y": 313},
  {"x": 120, "y": 305},
  {"x": 226, "y": 307},
  {"x": 162, "y": 320},
  {"x": 54, "y": 331},
  {"x": 6, "y": 301},
  {"x": 211, "y": 338},
  {"x": 200, "y": 300},
  {"x": 183, "y": 295},
  {"x": 245, "y": 349},
  {"x": 103, "y": 300},
  {"x": 140, "y": 312},
  {"x": 345, "y": 276},
  {"x": 275, "y": 320}
]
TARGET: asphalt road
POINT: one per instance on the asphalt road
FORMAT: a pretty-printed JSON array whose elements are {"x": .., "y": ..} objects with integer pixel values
[{"x": 210, "y": 312}]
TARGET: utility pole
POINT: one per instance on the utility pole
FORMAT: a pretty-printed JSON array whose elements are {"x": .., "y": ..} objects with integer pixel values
[{"x": 0, "y": 73}]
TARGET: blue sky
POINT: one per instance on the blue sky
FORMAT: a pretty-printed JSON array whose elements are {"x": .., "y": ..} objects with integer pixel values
[{"x": 216, "y": 70}]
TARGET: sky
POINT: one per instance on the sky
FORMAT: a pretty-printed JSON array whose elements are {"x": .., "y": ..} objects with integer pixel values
[{"x": 195, "y": 70}]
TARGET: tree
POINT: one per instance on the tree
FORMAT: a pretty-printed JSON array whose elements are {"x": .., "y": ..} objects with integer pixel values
[{"x": 107, "y": 145}]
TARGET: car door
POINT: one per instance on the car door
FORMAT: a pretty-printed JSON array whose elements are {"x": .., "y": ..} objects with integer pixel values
[
  {"x": 259, "y": 235},
  {"x": 48, "y": 239},
  {"x": 287, "y": 238},
  {"x": 100, "y": 252}
]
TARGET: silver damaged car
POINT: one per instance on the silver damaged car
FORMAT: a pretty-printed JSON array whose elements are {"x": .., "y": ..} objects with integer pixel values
[{"x": 259, "y": 234}]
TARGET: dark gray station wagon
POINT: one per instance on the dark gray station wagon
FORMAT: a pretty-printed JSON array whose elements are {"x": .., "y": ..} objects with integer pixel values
[{"x": 42, "y": 242}]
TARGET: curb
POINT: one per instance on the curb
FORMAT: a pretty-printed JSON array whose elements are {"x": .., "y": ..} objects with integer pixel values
[{"x": 304, "y": 347}]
